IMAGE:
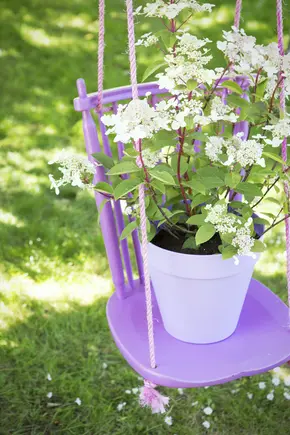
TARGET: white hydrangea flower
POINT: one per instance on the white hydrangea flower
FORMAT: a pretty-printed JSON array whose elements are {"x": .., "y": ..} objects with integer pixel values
[
  {"x": 166, "y": 9},
  {"x": 245, "y": 152},
  {"x": 134, "y": 121},
  {"x": 241, "y": 50},
  {"x": 243, "y": 240},
  {"x": 262, "y": 385},
  {"x": 208, "y": 410},
  {"x": 223, "y": 221},
  {"x": 273, "y": 61},
  {"x": 214, "y": 148},
  {"x": 76, "y": 170},
  {"x": 206, "y": 424},
  {"x": 147, "y": 40},
  {"x": 220, "y": 111},
  {"x": 151, "y": 159},
  {"x": 168, "y": 420},
  {"x": 279, "y": 131}
]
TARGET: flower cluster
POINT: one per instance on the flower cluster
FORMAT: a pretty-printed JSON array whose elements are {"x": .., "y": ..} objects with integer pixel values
[
  {"x": 279, "y": 130},
  {"x": 219, "y": 111},
  {"x": 76, "y": 170},
  {"x": 218, "y": 215},
  {"x": 151, "y": 159},
  {"x": 243, "y": 239},
  {"x": 147, "y": 40},
  {"x": 167, "y": 9},
  {"x": 134, "y": 121},
  {"x": 245, "y": 152},
  {"x": 187, "y": 61}
]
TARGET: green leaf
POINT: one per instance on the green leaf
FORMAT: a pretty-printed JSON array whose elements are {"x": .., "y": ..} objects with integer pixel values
[
  {"x": 274, "y": 157},
  {"x": 229, "y": 252},
  {"x": 152, "y": 69},
  {"x": 261, "y": 221},
  {"x": 258, "y": 246},
  {"x": 128, "y": 230},
  {"x": 125, "y": 187},
  {"x": 249, "y": 189},
  {"x": 274, "y": 200},
  {"x": 260, "y": 91},
  {"x": 235, "y": 101},
  {"x": 104, "y": 160},
  {"x": 205, "y": 233},
  {"x": 198, "y": 135},
  {"x": 232, "y": 179},
  {"x": 162, "y": 176},
  {"x": 189, "y": 243},
  {"x": 236, "y": 204},
  {"x": 197, "y": 219},
  {"x": 199, "y": 199},
  {"x": 191, "y": 84},
  {"x": 158, "y": 185},
  {"x": 123, "y": 167},
  {"x": 183, "y": 164},
  {"x": 232, "y": 86},
  {"x": 104, "y": 187}
]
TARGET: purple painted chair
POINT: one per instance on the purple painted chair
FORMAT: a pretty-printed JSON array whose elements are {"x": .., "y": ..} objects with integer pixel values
[{"x": 262, "y": 338}]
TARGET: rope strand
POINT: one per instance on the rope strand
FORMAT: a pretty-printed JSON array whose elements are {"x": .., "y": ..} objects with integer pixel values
[
  {"x": 101, "y": 51},
  {"x": 238, "y": 13},
  {"x": 134, "y": 83},
  {"x": 284, "y": 143}
]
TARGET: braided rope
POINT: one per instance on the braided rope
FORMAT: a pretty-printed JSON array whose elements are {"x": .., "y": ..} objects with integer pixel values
[
  {"x": 238, "y": 13},
  {"x": 284, "y": 143},
  {"x": 134, "y": 83},
  {"x": 101, "y": 50}
]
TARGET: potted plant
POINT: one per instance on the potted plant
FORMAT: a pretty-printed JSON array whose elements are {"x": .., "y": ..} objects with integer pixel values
[{"x": 210, "y": 155}]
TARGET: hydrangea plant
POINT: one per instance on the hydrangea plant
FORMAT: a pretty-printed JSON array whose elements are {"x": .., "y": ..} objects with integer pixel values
[{"x": 216, "y": 135}]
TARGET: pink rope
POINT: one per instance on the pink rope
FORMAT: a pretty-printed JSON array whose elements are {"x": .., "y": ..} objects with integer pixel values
[
  {"x": 284, "y": 143},
  {"x": 238, "y": 13},
  {"x": 101, "y": 50},
  {"x": 133, "y": 70}
]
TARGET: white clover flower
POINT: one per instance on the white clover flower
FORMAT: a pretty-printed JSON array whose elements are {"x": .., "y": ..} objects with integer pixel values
[
  {"x": 49, "y": 395},
  {"x": 194, "y": 403},
  {"x": 262, "y": 385},
  {"x": 168, "y": 420},
  {"x": 250, "y": 396},
  {"x": 270, "y": 396},
  {"x": 48, "y": 377},
  {"x": 127, "y": 391},
  {"x": 76, "y": 170},
  {"x": 105, "y": 366},
  {"x": 277, "y": 370},
  {"x": 206, "y": 424},
  {"x": 286, "y": 395},
  {"x": 287, "y": 381},
  {"x": 180, "y": 391},
  {"x": 162, "y": 9},
  {"x": 234, "y": 391},
  {"x": 275, "y": 381},
  {"x": 208, "y": 410},
  {"x": 121, "y": 406},
  {"x": 147, "y": 40},
  {"x": 78, "y": 401},
  {"x": 135, "y": 390}
]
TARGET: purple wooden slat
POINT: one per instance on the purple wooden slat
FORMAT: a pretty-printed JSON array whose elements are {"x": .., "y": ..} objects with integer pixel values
[
  {"x": 118, "y": 211},
  {"x": 135, "y": 238},
  {"x": 116, "y": 94},
  {"x": 107, "y": 220},
  {"x": 260, "y": 342}
]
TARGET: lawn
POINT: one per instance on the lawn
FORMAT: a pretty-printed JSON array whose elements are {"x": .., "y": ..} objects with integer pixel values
[{"x": 54, "y": 278}]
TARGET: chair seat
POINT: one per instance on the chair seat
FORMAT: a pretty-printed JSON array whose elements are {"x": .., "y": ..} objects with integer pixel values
[{"x": 260, "y": 342}]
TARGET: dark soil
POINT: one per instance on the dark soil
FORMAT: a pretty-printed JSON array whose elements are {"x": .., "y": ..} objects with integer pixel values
[{"x": 165, "y": 240}]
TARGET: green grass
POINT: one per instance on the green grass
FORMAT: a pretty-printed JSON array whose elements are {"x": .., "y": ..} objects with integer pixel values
[{"x": 54, "y": 278}]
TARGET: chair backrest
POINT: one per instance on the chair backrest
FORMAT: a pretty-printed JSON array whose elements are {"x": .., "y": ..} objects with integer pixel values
[{"x": 111, "y": 219}]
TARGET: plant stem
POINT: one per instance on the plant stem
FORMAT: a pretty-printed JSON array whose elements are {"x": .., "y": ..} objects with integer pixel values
[
  {"x": 216, "y": 85},
  {"x": 274, "y": 92},
  {"x": 267, "y": 191},
  {"x": 276, "y": 223},
  {"x": 256, "y": 83},
  {"x": 180, "y": 153}
]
